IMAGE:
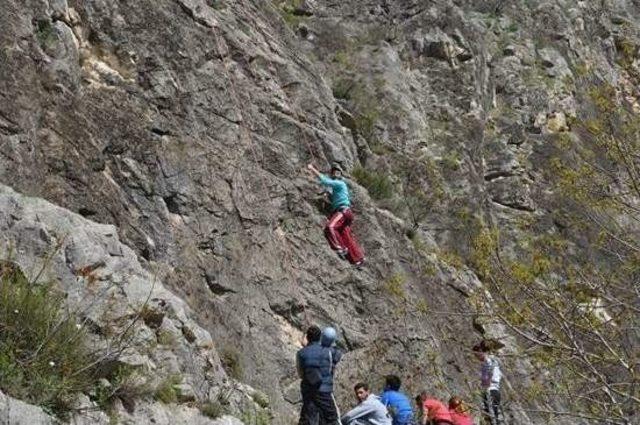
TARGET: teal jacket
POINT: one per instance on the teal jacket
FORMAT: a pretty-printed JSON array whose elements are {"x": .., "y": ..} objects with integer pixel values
[{"x": 339, "y": 192}]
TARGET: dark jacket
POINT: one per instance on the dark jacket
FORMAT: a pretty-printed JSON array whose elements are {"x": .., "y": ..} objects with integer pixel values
[{"x": 322, "y": 358}]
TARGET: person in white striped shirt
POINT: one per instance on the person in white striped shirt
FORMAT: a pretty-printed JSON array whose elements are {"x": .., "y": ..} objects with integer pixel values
[{"x": 490, "y": 376}]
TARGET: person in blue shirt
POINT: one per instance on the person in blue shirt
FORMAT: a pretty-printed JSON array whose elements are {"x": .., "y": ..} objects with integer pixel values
[
  {"x": 338, "y": 228},
  {"x": 397, "y": 403}
]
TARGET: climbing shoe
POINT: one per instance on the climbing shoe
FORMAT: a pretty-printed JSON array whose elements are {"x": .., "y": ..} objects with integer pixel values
[
  {"x": 342, "y": 253},
  {"x": 359, "y": 265}
]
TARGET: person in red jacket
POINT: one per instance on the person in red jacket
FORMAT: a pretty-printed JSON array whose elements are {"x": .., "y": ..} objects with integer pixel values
[
  {"x": 459, "y": 412},
  {"x": 434, "y": 412}
]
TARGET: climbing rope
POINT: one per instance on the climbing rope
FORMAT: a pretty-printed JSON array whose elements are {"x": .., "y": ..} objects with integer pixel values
[
  {"x": 251, "y": 144},
  {"x": 298, "y": 115}
]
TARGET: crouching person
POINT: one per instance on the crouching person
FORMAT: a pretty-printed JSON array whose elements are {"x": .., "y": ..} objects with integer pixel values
[
  {"x": 369, "y": 411},
  {"x": 434, "y": 412},
  {"x": 397, "y": 403}
]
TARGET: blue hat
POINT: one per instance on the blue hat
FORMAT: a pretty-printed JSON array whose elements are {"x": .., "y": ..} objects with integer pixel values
[{"x": 329, "y": 336}]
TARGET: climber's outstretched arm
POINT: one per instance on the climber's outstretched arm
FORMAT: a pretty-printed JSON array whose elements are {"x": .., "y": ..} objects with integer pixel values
[
  {"x": 325, "y": 180},
  {"x": 314, "y": 170}
]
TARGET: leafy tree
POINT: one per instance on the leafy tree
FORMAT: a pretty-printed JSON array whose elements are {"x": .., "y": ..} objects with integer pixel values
[{"x": 572, "y": 296}]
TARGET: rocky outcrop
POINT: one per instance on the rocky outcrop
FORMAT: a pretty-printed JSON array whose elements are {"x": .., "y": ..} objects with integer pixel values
[
  {"x": 114, "y": 297},
  {"x": 17, "y": 412}
]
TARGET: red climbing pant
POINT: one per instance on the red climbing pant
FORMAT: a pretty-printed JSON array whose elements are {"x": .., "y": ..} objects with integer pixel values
[{"x": 339, "y": 236}]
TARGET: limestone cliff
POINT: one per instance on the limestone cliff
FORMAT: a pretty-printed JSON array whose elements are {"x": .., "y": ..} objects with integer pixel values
[{"x": 183, "y": 127}]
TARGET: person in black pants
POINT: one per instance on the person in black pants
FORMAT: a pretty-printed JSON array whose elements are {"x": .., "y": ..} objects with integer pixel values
[
  {"x": 316, "y": 362},
  {"x": 491, "y": 375}
]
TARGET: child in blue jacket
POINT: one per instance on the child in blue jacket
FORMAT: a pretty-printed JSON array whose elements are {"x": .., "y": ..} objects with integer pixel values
[{"x": 398, "y": 404}]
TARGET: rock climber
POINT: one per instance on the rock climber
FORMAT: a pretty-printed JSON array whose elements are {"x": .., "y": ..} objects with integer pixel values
[
  {"x": 397, "y": 403},
  {"x": 459, "y": 412},
  {"x": 434, "y": 412},
  {"x": 369, "y": 411},
  {"x": 316, "y": 363},
  {"x": 338, "y": 228},
  {"x": 490, "y": 376}
]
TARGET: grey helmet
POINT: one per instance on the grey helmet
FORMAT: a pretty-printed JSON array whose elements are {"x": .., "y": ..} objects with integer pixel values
[{"x": 329, "y": 336}]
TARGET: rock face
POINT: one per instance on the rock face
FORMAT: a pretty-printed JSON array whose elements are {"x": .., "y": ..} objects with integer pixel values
[
  {"x": 16, "y": 412},
  {"x": 113, "y": 295},
  {"x": 20, "y": 413},
  {"x": 184, "y": 126}
]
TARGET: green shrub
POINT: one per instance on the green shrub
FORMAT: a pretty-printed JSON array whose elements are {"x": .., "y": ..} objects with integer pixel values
[
  {"x": 451, "y": 259},
  {"x": 166, "y": 392},
  {"x": 166, "y": 338},
  {"x": 126, "y": 383},
  {"x": 411, "y": 233},
  {"x": 364, "y": 104},
  {"x": 216, "y": 4},
  {"x": 151, "y": 317},
  {"x": 256, "y": 418},
  {"x": 378, "y": 185},
  {"x": 513, "y": 27},
  {"x": 231, "y": 362},
  {"x": 44, "y": 358},
  {"x": 288, "y": 12},
  {"x": 422, "y": 307},
  {"x": 212, "y": 409},
  {"x": 45, "y": 33},
  {"x": 261, "y": 399},
  {"x": 344, "y": 59},
  {"x": 394, "y": 286},
  {"x": 342, "y": 87},
  {"x": 451, "y": 161},
  {"x": 366, "y": 120},
  {"x": 422, "y": 188},
  {"x": 628, "y": 50}
]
